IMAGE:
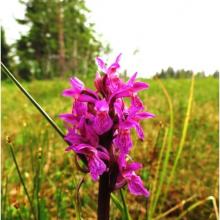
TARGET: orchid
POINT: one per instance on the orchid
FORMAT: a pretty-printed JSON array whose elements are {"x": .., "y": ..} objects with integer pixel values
[{"x": 99, "y": 126}]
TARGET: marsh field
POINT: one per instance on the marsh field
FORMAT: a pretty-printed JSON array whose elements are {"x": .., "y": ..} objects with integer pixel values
[{"x": 175, "y": 137}]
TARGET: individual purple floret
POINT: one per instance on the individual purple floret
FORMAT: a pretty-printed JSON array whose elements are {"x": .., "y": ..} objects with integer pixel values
[{"x": 100, "y": 125}]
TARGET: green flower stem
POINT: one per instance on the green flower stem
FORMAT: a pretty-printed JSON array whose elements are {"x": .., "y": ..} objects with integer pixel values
[
  {"x": 126, "y": 212},
  {"x": 21, "y": 179},
  {"x": 24, "y": 91},
  {"x": 117, "y": 203},
  {"x": 77, "y": 199}
]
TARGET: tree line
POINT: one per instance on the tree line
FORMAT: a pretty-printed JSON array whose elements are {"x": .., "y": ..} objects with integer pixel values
[
  {"x": 178, "y": 74},
  {"x": 60, "y": 41}
]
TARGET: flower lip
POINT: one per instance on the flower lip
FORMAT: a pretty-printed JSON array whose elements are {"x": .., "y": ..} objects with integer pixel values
[
  {"x": 102, "y": 121},
  {"x": 101, "y": 106}
]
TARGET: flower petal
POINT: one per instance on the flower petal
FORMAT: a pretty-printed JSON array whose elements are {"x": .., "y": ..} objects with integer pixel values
[
  {"x": 72, "y": 137},
  {"x": 70, "y": 118},
  {"x": 118, "y": 58},
  {"x": 101, "y": 106},
  {"x": 123, "y": 141},
  {"x": 86, "y": 98},
  {"x": 101, "y": 64},
  {"x": 102, "y": 123},
  {"x": 69, "y": 92},
  {"x": 119, "y": 107},
  {"x": 143, "y": 115},
  {"x": 136, "y": 104},
  {"x": 133, "y": 167},
  {"x": 103, "y": 155},
  {"x": 96, "y": 167},
  {"x": 138, "y": 86},
  {"x": 139, "y": 130},
  {"x": 86, "y": 149},
  {"x": 132, "y": 79},
  {"x": 136, "y": 187},
  {"x": 77, "y": 87},
  {"x": 113, "y": 68},
  {"x": 77, "y": 84},
  {"x": 91, "y": 136},
  {"x": 79, "y": 108},
  {"x": 98, "y": 82}
]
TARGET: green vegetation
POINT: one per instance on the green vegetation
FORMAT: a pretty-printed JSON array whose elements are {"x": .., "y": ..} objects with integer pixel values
[
  {"x": 60, "y": 41},
  {"x": 5, "y": 52},
  {"x": 52, "y": 180},
  {"x": 181, "y": 74}
]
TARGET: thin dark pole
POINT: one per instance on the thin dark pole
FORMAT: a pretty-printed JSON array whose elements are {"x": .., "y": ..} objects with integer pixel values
[
  {"x": 49, "y": 119},
  {"x": 40, "y": 109}
]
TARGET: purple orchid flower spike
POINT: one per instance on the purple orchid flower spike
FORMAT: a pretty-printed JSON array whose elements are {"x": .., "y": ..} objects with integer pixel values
[{"x": 99, "y": 128}]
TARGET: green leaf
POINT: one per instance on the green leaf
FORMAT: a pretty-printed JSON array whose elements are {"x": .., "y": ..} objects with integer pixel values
[{"x": 117, "y": 203}]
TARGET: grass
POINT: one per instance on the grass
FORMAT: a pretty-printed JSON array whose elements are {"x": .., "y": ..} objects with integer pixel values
[{"x": 52, "y": 181}]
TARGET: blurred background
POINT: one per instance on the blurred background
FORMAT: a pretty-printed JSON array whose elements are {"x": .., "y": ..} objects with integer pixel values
[
  {"x": 44, "y": 39},
  {"x": 173, "y": 45}
]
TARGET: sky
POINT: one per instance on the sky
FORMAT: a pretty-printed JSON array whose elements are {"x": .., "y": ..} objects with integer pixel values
[{"x": 151, "y": 34}]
